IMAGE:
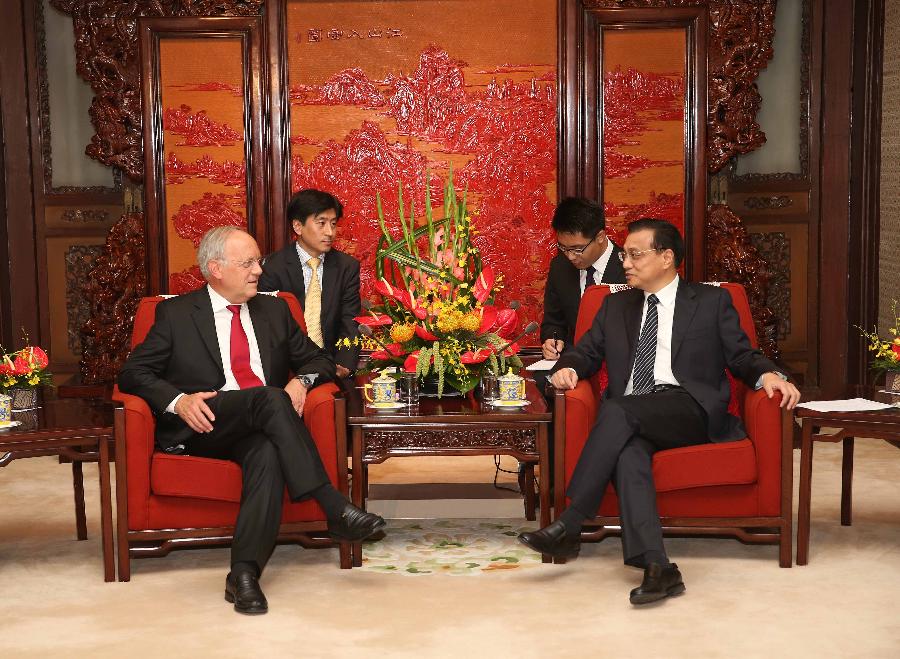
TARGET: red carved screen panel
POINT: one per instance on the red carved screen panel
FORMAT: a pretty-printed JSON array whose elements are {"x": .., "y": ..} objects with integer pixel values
[
  {"x": 203, "y": 139},
  {"x": 202, "y": 85},
  {"x": 386, "y": 93},
  {"x": 643, "y": 126}
]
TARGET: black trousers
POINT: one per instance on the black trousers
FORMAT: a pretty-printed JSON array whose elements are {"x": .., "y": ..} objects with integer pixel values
[
  {"x": 259, "y": 429},
  {"x": 620, "y": 447}
]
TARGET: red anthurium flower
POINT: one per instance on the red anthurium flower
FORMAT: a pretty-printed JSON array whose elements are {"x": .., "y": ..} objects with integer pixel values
[
  {"x": 424, "y": 334},
  {"x": 380, "y": 354},
  {"x": 6, "y": 366},
  {"x": 39, "y": 357},
  {"x": 488, "y": 318},
  {"x": 469, "y": 357},
  {"x": 21, "y": 366},
  {"x": 484, "y": 284},
  {"x": 513, "y": 349},
  {"x": 507, "y": 319},
  {"x": 388, "y": 290},
  {"x": 412, "y": 362},
  {"x": 374, "y": 319},
  {"x": 396, "y": 349}
]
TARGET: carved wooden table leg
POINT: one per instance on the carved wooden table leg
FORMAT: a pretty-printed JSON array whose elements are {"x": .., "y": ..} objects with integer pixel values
[
  {"x": 847, "y": 483},
  {"x": 806, "y": 454},
  {"x": 78, "y": 489}
]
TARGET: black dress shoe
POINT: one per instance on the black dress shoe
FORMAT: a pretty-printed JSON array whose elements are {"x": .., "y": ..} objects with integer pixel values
[
  {"x": 243, "y": 589},
  {"x": 355, "y": 524},
  {"x": 552, "y": 540},
  {"x": 659, "y": 582}
]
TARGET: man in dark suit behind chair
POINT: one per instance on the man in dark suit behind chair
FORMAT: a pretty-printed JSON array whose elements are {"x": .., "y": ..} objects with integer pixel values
[
  {"x": 666, "y": 343},
  {"x": 586, "y": 257},
  {"x": 328, "y": 292},
  {"x": 214, "y": 369}
]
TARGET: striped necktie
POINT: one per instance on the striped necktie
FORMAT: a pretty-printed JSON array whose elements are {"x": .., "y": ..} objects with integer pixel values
[
  {"x": 645, "y": 357},
  {"x": 312, "y": 311}
]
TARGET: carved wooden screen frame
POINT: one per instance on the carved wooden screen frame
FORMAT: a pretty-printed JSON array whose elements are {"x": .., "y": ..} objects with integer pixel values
[
  {"x": 581, "y": 109},
  {"x": 152, "y": 30}
]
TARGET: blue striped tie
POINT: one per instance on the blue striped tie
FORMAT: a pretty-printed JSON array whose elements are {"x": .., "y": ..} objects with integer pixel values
[{"x": 644, "y": 358}]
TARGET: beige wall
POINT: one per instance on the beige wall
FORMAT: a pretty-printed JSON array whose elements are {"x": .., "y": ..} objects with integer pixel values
[{"x": 889, "y": 265}]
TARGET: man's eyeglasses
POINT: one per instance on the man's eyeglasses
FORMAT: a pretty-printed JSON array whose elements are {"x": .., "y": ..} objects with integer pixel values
[
  {"x": 635, "y": 254},
  {"x": 577, "y": 251},
  {"x": 249, "y": 263}
]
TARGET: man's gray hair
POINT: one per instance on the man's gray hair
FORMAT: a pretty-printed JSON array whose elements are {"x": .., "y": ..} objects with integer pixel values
[{"x": 212, "y": 247}]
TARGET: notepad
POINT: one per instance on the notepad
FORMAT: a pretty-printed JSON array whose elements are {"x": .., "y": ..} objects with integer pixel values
[{"x": 845, "y": 405}]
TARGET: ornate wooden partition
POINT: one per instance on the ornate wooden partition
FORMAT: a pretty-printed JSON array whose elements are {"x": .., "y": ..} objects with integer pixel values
[{"x": 737, "y": 39}]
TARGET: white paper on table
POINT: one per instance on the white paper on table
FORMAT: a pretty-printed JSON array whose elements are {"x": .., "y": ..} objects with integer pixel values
[
  {"x": 845, "y": 405},
  {"x": 543, "y": 365}
]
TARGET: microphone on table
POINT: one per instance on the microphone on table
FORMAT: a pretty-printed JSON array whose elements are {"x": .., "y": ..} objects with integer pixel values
[{"x": 529, "y": 329}]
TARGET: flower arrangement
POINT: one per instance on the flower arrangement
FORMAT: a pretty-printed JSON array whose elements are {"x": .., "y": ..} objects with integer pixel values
[
  {"x": 886, "y": 352},
  {"x": 24, "y": 369},
  {"x": 437, "y": 314}
]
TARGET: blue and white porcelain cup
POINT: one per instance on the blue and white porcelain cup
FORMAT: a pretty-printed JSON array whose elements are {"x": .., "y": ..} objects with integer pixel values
[{"x": 5, "y": 409}]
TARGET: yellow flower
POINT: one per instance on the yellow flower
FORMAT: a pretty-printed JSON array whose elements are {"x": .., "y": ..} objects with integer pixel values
[
  {"x": 470, "y": 322},
  {"x": 401, "y": 333},
  {"x": 34, "y": 380}
]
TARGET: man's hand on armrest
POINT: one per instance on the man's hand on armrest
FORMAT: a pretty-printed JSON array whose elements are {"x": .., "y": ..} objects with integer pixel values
[
  {"x": 297, "y": 390},
  {"x": 564, "y": 378},
  {"x": 772, "y": 382},
  {"x": 194, "y": 411}
]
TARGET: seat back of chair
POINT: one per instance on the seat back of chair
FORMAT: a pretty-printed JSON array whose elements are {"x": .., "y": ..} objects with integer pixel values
[
  {"x": 146, "y": 314},
  {"x": 593, "y": 298}
]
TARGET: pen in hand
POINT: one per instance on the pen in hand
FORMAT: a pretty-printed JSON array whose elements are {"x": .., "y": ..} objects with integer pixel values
[{"x": 556, "y": 343}]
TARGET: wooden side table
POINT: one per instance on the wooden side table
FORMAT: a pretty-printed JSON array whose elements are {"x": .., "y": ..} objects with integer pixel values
[
  {"x": 447, "y": 426},
  {"x": 82, "y": 431},
  {"x": 883, "y": 424}
]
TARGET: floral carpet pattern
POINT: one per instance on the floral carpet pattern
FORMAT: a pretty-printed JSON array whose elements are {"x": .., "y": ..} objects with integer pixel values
[{"x": 459, "y": 547}]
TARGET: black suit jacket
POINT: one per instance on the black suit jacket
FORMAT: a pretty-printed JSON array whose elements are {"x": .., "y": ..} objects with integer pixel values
[
  {"x": 562, "y": 294},
  {"x": 181, "y": 355},
  {"x": 706, "y": 339},
  {"x": 282, "y": 271}
]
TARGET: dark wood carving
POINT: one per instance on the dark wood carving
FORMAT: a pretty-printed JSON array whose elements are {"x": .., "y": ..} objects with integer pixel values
[
  {"x": 114, "y": 287},
  {"x": 738, "y": 47},
  {"x": 380, "y": 443},
  {"x": 106, "y": 49},
  {"x": 731, "y": 256}
]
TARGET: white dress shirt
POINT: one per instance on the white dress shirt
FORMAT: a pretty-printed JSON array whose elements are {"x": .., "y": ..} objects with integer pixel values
[
  {"x": 665, "y": 308},
  {"x": 307, "y": 271},
  {"x": 599, "y": 265},
  {"x": 223, "y": 317}
]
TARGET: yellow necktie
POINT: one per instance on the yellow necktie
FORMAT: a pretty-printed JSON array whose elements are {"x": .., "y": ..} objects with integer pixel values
[{"x": 313, "y": 311}]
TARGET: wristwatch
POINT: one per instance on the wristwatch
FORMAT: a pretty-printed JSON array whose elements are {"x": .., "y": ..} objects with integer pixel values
[{"x": 305, "y": 380}]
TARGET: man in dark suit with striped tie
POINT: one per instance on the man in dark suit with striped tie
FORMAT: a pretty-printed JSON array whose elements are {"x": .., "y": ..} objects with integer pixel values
[{"x": 666, "y": 344}]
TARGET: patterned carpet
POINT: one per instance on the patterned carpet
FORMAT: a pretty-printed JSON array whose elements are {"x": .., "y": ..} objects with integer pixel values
[{"x": 459, "y": 547}]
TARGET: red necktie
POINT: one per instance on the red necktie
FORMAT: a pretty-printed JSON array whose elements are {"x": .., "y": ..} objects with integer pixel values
[{"x": 240, "y": 352}]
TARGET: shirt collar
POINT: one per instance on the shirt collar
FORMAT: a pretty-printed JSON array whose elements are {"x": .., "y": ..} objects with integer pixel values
[
  {"x": 218, "y": 302},
  {"x": 604, "y": 257},
  {"x": 304, "y": 256},
  {"x": 666, "y": 295}
]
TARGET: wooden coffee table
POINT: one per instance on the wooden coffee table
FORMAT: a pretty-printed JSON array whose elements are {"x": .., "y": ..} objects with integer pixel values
[
  {"x": 883, "y": 424},
  {"x": 80, "y": 430},
  {"x": 452, "y": 426}
]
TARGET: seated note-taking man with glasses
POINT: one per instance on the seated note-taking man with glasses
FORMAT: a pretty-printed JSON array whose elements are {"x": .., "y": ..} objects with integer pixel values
[
  {"x": 666, "y": 344},
  {"x": 586, "y": 257}
]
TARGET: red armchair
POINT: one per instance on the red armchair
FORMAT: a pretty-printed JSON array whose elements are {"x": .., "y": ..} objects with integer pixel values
[
  {"x": 739, "y": 489},
  {"x": 168, "y": 501}
]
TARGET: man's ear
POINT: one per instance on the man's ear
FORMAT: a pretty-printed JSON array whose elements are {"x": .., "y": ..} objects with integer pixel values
[
  {"x": 297, "y": 226},
  {"x": 215, "y": 269}
]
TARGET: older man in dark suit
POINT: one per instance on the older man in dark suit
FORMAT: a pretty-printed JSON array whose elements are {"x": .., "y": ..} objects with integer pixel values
[
  {"x": 666, "y": 344},
  {"x": 324, "y": 279},
  {"x": 215, "y": 370}
]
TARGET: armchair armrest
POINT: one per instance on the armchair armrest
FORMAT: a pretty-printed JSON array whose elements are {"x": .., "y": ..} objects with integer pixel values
[
  {"x": 574, "y": 414},
  {"x": 136, "y": 449},
  {"x": 318, "y": 415},
  {"x": 763, "y": 420}
]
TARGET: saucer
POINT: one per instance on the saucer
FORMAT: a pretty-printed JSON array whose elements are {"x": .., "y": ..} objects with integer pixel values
[
  {"x": 10, "y": 424},
  {"x": 510, "y": 403},
  {"x": 385, "y": 406}
]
